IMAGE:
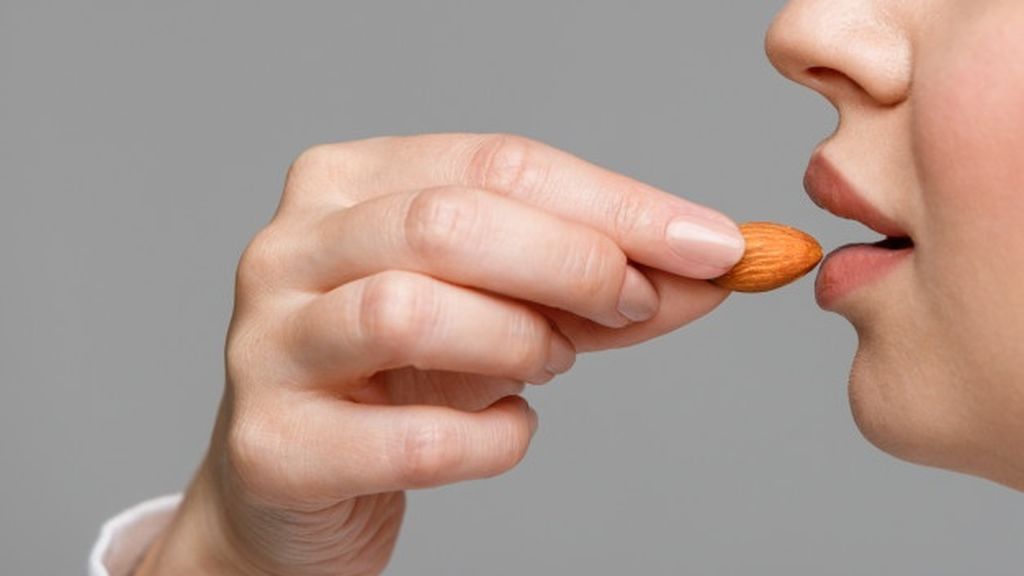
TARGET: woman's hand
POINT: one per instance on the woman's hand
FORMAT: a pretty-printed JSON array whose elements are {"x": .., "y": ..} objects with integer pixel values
[{"x": 387, "y": 319}]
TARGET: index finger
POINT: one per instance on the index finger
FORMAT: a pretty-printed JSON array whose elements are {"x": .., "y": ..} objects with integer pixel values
[{"x": 651, "y": 226}]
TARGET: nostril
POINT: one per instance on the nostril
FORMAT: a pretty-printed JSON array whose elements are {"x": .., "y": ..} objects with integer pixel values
[
  {"x": 835, "y": 85},
  {"x": 826, "y": 75},
  {"x": 848, "y": 51},
  {"x": 832, "y": 83}
]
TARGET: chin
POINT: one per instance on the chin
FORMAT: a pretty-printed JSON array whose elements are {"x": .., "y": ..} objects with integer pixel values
[
  {"x": 917, "y": 396},
  {"x": 906, "y": 406}
]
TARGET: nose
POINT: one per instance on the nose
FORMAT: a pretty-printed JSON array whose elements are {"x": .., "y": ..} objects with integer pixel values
[{"x": 848, "y": 50}]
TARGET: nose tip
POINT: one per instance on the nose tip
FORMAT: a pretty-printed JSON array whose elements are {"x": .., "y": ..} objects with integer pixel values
[
  {"x": 843, "y": 49},
  {"x": 782, "y": 44}
]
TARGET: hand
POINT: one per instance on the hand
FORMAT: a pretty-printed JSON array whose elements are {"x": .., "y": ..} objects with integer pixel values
[{"x": 387, "y": 319}]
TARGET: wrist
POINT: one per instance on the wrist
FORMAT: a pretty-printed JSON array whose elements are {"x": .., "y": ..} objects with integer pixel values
[{"x": 198, "y": 540}]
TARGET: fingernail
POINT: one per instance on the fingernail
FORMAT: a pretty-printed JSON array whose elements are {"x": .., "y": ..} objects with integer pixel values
[
  {"x": 638, "y": 299},
  {"x": 534, "y": 421},
  {"x": 561, "y": 355},
  {"x": 543, "y": 378},
  {"x": 712, "y": 243}
]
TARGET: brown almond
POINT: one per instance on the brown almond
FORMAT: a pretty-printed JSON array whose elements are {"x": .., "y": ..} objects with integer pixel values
[{"x": 775, "y": 255}]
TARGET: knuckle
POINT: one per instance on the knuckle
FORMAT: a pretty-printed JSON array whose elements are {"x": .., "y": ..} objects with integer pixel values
[
  {"x": 240, "y": 352},
  {"x": 441, "y": 221},
  {"x": 256, "y": 450},
  {"x": 427, "y": 451},
  {"x": 308, "y": 169},
  {"x": 629, "y": 214},
  {"x": 260, "y": 262},
  {"x": 333, "y": 160},
  {"x": 396, "y": 311},
  {"x": 318, "y": 170},
  {"x": 508, "y": 164},
  {"x": 588, "y": 268},
  {"x": 312, "y": 159}
]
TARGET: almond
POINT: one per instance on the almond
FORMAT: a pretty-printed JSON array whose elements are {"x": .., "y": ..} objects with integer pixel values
[{"x": 775, "y": 256}]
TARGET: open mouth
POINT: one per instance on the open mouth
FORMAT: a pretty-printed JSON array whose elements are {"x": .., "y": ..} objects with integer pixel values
[
  {"x": 855, "y": 265},
  {"x": 895, "y": 243}
]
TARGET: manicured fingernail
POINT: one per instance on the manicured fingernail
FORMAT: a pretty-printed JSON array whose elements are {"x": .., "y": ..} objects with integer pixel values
[
  {"x": 561, "y": 355},
  {"x": 638, "y": 299},
  {"x": 711, "y": 243}
]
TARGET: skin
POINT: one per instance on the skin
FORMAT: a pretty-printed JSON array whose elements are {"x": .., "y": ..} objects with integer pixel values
[
  {"x": 931, "y": 132},
  {"x": 383, "y": 328},
  {"x": 386, "y": 321}
]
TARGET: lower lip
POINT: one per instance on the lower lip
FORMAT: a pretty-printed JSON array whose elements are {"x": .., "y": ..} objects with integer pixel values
[{"x": 851, "y": 267}]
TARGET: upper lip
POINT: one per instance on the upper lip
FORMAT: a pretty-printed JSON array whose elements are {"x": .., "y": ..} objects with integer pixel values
[{"x": 829, "y": 189}]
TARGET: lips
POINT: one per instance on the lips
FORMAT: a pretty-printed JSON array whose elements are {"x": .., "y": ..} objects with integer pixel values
[
  {"x": 855, "y": 265},
  {"x": 829, "y": 189}
]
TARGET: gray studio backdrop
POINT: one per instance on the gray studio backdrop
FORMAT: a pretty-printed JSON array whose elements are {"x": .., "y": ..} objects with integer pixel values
[{"x": 142, "y": 145}]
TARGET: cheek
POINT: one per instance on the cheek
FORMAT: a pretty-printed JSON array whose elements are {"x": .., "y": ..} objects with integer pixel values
[
  {"x": 968, "y": 131},
  {"x": 969, "y": 135},
  {"x": 969, "y": 138}
]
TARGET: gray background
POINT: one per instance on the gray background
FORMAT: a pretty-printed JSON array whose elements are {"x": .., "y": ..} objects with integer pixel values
[{"x": 142, "y": 145}]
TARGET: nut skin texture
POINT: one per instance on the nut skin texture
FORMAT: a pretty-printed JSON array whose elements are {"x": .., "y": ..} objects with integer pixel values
[{"x": 775, "y": 256}]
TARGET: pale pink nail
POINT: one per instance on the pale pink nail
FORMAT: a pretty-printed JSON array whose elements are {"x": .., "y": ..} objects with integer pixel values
[
  {"x": 710, "y": 243},
  {"x": 561, "y": 355},
  {"x": 638, "y": 299}
]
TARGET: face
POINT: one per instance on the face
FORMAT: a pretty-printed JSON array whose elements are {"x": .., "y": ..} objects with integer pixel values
[{"x": 929, "y": 149}]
